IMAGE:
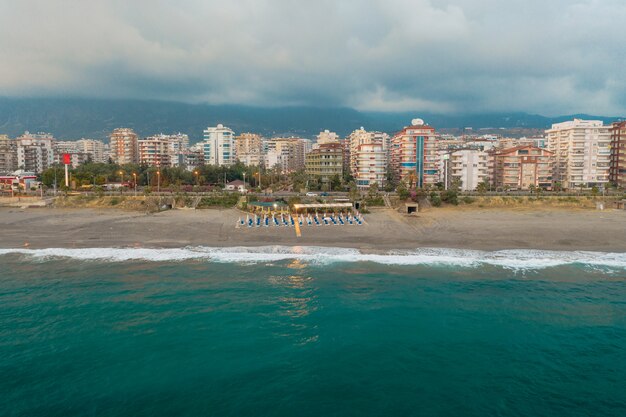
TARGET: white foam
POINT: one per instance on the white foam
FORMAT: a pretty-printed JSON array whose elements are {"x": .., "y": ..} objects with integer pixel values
[{"x": 512, "y": 259}]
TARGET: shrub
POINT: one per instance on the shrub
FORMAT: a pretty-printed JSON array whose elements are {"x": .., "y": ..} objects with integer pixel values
[
  {"x": 468, "y": 200},
  {"x": 435, "y": 199},
  {"x": 450, "y": 197}
]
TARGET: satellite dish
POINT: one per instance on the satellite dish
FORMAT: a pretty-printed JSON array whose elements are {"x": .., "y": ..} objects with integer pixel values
[{"x": 417, "y": 122}]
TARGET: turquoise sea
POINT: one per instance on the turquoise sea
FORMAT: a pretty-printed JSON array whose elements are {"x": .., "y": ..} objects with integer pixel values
[{"x": 311, "y": 332}]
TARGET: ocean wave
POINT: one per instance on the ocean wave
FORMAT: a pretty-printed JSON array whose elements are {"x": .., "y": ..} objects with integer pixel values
[{"x": 511, "y": 259}]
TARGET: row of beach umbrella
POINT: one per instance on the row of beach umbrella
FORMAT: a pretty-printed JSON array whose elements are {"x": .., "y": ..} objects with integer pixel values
[{"x": 303, "y": 220}]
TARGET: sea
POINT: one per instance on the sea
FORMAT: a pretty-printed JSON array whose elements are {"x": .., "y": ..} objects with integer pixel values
[{"x": 309, "y": 331}]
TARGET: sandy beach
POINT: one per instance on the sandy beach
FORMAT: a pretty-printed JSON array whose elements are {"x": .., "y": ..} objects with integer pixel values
[{"x": 485, "y": 229}]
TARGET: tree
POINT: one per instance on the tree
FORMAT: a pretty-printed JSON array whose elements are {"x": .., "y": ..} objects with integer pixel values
[
  {"x": 435, "y": 200},
  {"x": 402, "y": 191},
  {"x": 482, "y": 187}
]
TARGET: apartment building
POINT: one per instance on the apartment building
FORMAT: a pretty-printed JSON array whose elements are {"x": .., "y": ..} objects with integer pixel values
[
  {"x": 327, "y": 137},
  {"x": 469, "y": 167},
  {"x": 155, "y": 151},
  {"x": 287, "y": 154},
  {"x": 97, "y": 150},
  {"x": 414, "y": 155},
  {"x": 249, "y": 149},
  {"x": 124, "y": 146},
  {"x": 218, "y": 146},
  {"x": 325, "y": 161},
  {"x": 582, "y": 151},
  {"x": 617, "y": 171},
  {"x": 77, "y": 157},
  {"x": 8, "y": 155},
  {"x": 35, "y": 152},
  {"x": 371, "y": 165},
  {"x": 522, "y": 167}
]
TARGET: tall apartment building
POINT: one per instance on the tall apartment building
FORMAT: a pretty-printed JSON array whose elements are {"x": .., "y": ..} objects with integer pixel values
[
  {"x": 35, "y": 152},
  {"x": 617, "y": 172},
  {"x": 414, "y": 154},
  {"x": 582, "y": 152},
  {"x": 218, "y": 146},
  {"x": 163, "y": 150},
  {"x": 249, "y": 149},
  {"x": 469, "y": 166},
  {"x": 353, "y": 141},
  {"x": 325, "y": 161},
  {"x": 124, "y": 146},
  {"x": 288, "y": 154},
  {"x": 371, "y": 164},
  {"x": 8, "y": 155},
  {"x": 521, "y": 167},
  {"x": 155, "y": 151},
  {"x": 97, "y": 150}
]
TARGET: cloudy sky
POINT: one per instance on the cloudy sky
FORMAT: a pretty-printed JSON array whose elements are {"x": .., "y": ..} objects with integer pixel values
[{"x": 457, "y": 56}]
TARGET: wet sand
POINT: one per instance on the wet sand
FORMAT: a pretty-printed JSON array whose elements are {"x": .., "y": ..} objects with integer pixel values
[{"x": 488, "y": 229}]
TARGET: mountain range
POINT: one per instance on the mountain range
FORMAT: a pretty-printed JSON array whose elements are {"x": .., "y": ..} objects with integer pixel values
[{"x": 75, "y": 118}]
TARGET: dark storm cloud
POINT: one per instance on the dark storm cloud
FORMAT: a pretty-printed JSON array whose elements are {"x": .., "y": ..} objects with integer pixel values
[{"x": 550, "y": 57}]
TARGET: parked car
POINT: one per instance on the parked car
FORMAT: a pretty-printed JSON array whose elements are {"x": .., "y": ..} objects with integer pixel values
[
  {"x": 310, "y": 194},
  {"x": 324, "y": 194}
]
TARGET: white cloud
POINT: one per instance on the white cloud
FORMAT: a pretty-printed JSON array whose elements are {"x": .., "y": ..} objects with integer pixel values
[{"x": 436, "y": 55}]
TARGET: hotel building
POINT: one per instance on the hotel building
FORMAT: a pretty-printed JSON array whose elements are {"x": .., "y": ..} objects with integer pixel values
[
  {"x": 617, "y": 173},
  {"x": 218, "y": 146},
  {"x": 325, "y": 161},
  {"x": 521, "y": 167},
  {"x": 582, "y": 152},
  {"x": 124, "y": 146},
  {"x": 415, "y": 156}
]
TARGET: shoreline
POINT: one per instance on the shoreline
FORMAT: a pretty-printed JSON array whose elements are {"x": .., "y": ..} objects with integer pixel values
[{"x": 385, "y": 230}]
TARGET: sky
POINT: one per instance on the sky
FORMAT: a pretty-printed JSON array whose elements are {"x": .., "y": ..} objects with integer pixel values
[{"x": 548, "y": 57}]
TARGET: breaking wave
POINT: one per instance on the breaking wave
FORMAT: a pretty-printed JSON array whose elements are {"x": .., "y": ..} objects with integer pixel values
[{"x": 511, "y": 259}]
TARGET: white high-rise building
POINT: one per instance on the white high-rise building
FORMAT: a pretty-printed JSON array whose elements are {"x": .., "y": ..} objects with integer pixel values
[
  {"x": 219, "y": 146},
  {"x": 582, "y": 152},
  {"x": 369, "y": 155},
  {"x": 35, "y": 152},
  {"x": 470, "y": 167}
]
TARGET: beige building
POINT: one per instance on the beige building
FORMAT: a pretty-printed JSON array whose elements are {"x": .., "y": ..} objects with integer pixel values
[
  {"x": 249, "y": 149},
  {"x": 96, "y": 149},
  {"x": 287, "y": 154},
  {"x": 327, "y": 137},
  {"x": 124, "y": 146},
  {"x": 522, "y": 167},
  {"x": 582, "y": 152},
  {"x": 155, "y": 151},
  {"x": 325, "y": 161}
]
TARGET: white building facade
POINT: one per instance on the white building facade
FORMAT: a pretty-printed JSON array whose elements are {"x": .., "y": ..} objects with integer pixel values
[
  {"x": 219, "y": 146},
  {"x": 582, "y": 152}
]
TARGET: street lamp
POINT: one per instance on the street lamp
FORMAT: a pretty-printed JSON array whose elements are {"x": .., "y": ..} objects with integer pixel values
[
  {"x": 244, "y": 181},
  {"x": 135, "y": 181},
  {"x": 158, "y": 182},
  {"x": 197, "y": 174}
]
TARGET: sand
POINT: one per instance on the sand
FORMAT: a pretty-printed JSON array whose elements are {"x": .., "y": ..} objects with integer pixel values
[{"x": 485, "y": 229}]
